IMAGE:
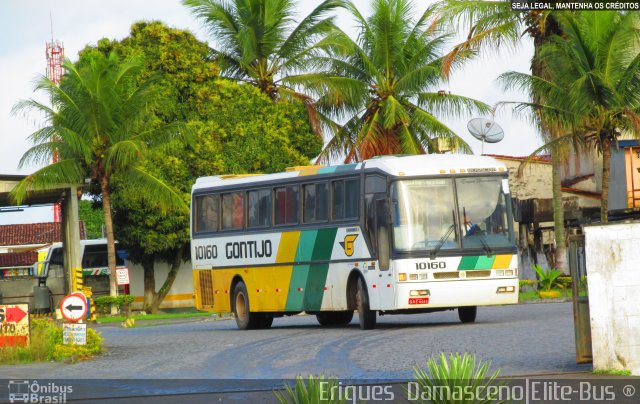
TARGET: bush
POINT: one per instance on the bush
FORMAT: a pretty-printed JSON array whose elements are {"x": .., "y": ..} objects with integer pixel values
[
  {"x": 547, "y": 279},
  {"x": 457, "y": 373},
  {"x": 524, "y": 283},
  {"x": 103, "y": 303},
  {"x": 45, "y": 344},
  {"x": 315, "y": 390},
  {"x": 58, "y": 351}
]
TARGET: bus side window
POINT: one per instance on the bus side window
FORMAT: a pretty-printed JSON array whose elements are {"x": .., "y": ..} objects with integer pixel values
[
  {"x": 56, "y": 263},
  {"x": 375, "y": 184},
  {"x": 259, "y": 208},
  {"x": 316, "y": 202},
  {"x": 286, "y": 205},
  {"x": 207, "y": 213},
  {"x": 57, "y": 257},
  {"x": 96, "y": 256},
  {"x": 233, "y": 210},
  {"x": 345, "y": 198}
]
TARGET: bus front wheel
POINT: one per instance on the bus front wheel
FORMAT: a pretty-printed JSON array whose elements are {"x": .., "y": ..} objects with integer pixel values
[
  {"x": 467, "y": 314},
  {"x": 245, "y": 319},
  {"x": 366, "y": 316}
]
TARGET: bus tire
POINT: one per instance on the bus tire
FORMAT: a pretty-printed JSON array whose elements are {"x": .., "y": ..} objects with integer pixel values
[
  {"x": 366, "y": 316},
  {"x": 328, "y": 318},
  {"x": 467, "y": 314},
  {"x": 245, "y": 319}
]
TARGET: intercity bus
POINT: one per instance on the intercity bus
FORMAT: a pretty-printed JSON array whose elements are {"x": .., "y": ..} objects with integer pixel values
[{"x": 390, "y": 235}]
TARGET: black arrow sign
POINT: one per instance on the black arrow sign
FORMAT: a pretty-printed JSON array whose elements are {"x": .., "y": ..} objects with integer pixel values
[{"x": 73, "y": 308}]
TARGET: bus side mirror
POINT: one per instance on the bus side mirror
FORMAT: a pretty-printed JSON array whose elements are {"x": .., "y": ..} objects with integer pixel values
[{"x": 384, "y": 245}]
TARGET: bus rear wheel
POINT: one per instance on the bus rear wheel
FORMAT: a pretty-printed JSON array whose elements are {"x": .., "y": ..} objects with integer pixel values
[
  {"x": 366, "y": 316},
  {"x": 245, "y": 319},
  {"x": 467, "y": 314},
  {"x": 334, "y": 317}
]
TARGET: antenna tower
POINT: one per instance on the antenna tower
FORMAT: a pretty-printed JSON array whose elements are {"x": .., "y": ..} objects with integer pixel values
[{"x": 55, "y": 55}]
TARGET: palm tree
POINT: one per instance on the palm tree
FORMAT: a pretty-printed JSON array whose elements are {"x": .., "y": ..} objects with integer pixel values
[
  {"x": 258, "y": 42},
  {"x": 99, "y": 125},
  {"x": 592, "y": 85},
  {"x": 492, "y": 25},
  {"x": 384, "y": 85}
]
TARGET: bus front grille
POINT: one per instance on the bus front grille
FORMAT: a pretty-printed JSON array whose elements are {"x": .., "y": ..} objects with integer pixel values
[
  {"x": 478, "y": 274},
  {"x": 206, "y": 288},
  {"x": 445, "y": 275}
]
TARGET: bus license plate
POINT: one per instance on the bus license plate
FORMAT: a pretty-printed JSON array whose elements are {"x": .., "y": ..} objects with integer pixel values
[{"x": 418, "y": 300}]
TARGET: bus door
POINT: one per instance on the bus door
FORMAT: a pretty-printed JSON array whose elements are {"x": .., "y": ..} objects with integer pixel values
[{"x": 378, "y": 231}]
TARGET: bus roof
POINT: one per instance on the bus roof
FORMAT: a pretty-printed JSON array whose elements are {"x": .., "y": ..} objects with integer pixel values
[{"x": 414, "y": 165}]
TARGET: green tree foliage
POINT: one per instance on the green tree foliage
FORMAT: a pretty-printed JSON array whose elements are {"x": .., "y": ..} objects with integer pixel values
[
  {"x": 491, "y": 26},
  {"x": 237, "y": 129},
  {"x": 257, "y": 41},
  {"x": 93, "y": 218},
  {"x": 384, "y": 84},
  {"x": 99, "y": 125},
  {"x": 591, "y": 88}
]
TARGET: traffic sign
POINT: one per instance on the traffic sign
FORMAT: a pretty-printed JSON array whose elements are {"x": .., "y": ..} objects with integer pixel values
[
  {"x": 74, "y": 307},
  {"x": 74, "y": 334},
  {"x": 14, "y": 325},
  {"x": 122, "y": 276}
]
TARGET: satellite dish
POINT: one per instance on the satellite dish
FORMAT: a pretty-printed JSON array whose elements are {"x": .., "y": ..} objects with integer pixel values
[{"x": 485, "y": 130}]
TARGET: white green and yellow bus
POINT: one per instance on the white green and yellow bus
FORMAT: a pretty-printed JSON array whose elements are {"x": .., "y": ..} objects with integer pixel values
[{"x": 390, "y": 235}]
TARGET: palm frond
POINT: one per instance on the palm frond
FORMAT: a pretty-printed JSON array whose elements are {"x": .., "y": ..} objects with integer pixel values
[
  {"x": 56, "y": 175},
  {"x": 155, "y": 190},
  {"x": 451, "y": 105}
]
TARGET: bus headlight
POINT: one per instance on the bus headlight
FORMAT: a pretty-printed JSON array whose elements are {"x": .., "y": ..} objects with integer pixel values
[
  {"x": 424, "y": 292},
  {"x": 506, "y": 289},
  {"x": 402, "y": 277}
]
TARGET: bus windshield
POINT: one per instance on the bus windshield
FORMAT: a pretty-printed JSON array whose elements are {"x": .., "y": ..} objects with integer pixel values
[{"x": 425, "y": 217}]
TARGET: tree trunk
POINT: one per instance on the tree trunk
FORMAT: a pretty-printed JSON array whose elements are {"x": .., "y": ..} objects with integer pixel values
[
  {"x": 148, "y": 264},
  {"x": 171, "y": 276},
  {"x": 111, "y": 243},
  {"x": 558, "y": 214},
  {"x": 606, "y": 169}
]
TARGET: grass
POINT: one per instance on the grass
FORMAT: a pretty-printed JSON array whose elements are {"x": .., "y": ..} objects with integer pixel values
[
  {"x": 612, "y": 372},
  {"x": 37, "y": 351},
  {"x": 158, "y": 316}
]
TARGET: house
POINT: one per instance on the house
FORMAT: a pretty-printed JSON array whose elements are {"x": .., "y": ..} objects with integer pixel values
[{"x": 21, "y": 247}]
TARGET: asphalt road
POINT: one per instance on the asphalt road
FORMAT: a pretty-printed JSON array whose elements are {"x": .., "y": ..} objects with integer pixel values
[{"x": 519, "y": 340}]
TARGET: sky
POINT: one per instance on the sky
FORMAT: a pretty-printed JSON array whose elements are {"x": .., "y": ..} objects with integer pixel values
[{"x": 25, "y": 27}]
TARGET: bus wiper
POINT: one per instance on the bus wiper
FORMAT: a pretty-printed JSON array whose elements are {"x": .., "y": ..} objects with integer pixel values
[
  {"x": 485, "y": 245},
  {"x": 441, "y": 242}
]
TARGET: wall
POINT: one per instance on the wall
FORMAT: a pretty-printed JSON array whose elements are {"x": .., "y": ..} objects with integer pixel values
[
  {"x": 535, "y": 182},
  {"x": 180, "y": 294},
  {"x": 613, "y": 277}
]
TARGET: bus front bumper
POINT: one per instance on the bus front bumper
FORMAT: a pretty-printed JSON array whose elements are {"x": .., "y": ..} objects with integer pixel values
[{"x": 482, "y": 292}]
